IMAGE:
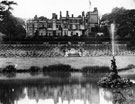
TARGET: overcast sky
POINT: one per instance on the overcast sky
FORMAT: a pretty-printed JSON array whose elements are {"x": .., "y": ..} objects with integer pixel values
[{"x": 30, "y": 8}]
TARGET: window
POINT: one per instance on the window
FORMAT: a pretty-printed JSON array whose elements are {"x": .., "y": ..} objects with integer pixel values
[
  {"x": 49, "y": 25},
  {"x": 41, "y": 34},
  {"x": 93, "y": 29},
  {"x": 80, "y": 21},
  {"x": 77, "y": 27},
  {"x": 49, "y": 34},
  {"x": 71, "y": 21},
  {"x": 58, "y": 34},
  {"x": 70, "y": 26},
  {"x": 65, "y": 26},
  {"x": 57, "y": 26}
]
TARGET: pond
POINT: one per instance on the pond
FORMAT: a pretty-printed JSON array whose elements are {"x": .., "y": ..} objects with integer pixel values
[{"x": 75, "y": 88}]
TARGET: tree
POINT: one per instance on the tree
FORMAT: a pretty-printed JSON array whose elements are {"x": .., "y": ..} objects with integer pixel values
[
  {"x": 118, "y": 10},
  {"x": 114, "y": 15},
  {"x": 124, "y": 20},
  {"x": 8, "y": 4},
  {"x": 42, "y": 18},
  {"x": 10, "y": 25}
]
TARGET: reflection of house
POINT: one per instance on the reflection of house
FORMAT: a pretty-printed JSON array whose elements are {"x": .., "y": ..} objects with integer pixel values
[
  {"x": 64, "y": 26},
  {"x": 65, "y": 93}
]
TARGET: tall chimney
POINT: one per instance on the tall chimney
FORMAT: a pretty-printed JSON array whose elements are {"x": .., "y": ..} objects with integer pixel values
[
  {"x": 54, "y": 16},
  {"x": 67, "y": 15},
  {"x": 95, "y": 9},
  {"x": 36, "y": 17},
  {"x": 83, "y": 14},
  {"x": 72, "y": 15},
  {"x": 60, "y": 14}
]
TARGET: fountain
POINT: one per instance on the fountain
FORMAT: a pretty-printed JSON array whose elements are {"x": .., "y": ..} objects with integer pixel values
[
  {"x": 113, "y": 80},
  {"x": 113, "y": 61},
  {"x": 112, "y": 31}
]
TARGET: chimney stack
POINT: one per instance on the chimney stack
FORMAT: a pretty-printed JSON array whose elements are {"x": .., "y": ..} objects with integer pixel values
[
  {"x": 95, "y": 9},
  {"x": 54, "y": 16},
  {"x": 83, "y": 14},
  {"x": 72, "y": 15},
  {"x": 60, "y": 14},
  {"x": 67, "y": 15}
]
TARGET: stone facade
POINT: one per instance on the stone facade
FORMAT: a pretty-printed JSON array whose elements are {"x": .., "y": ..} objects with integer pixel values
[{"x": 64, "y": 26}]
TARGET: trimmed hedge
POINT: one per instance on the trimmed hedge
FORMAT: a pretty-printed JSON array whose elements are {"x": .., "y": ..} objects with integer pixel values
[
  {"x": 96, "y": 69},
  {"x": 9, "y": 68},
  {"x": 58, "y": 68}
]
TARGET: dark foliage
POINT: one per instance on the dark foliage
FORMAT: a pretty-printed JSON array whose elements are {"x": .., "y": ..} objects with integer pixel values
[
  {"x": 11, "y": 26},
  {"x": 124, "y": 21},
  {"x": 96, "y": 69},
  {"x": 35, "y": 69},
  {"x": 59, "y": 68},
  {"x": 130, "y": 66},
  {"x": 9, "y": 69}
]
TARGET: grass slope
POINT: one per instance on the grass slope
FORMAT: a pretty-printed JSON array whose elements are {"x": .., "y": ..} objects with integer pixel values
[{"x": 75, "y": 62}]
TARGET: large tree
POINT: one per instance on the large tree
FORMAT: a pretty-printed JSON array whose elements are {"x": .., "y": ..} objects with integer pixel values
[
  {"x": 124, "y": 20},
  {"x": 8, "y": 4},
  {"x": 10, "y": 25}
]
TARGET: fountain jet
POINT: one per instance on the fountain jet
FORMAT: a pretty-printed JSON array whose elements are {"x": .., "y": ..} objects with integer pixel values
[
  {"x": 112, "y": 38},
  {"x": 113, "y": 80},
  {"x": 113, "y": 61}
]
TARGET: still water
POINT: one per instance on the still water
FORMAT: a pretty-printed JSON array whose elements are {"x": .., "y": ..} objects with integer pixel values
[{"x": 75, "y": 88}]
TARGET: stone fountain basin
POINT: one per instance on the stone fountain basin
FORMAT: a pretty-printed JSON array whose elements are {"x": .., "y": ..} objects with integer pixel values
[{"x": 113, "y": 80}]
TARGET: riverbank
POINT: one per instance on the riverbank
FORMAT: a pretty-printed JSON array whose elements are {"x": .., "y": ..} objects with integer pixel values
[{"x": 75, "y": 62}]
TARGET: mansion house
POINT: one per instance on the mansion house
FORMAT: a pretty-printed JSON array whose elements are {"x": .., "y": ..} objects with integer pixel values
[{"x": 82, "y": 25}]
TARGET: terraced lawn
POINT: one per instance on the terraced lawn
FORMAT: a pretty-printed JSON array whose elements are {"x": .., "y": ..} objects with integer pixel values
[{"x": 75, "y": 62}]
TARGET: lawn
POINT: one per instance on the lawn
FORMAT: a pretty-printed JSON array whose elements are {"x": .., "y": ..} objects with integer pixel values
[{"x": 75, "y": 62}]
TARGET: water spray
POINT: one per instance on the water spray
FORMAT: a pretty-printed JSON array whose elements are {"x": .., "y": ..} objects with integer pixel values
[
  {"x": 113, "y": 64},
  {"x": 112, "y": 38}
]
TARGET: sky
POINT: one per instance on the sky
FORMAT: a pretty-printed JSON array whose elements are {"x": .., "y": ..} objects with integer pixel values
[{"x": 30, "y": 8}]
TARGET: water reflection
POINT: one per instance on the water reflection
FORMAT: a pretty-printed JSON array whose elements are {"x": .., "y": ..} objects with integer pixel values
[
  {"x": 85, "y": 92},
  {"x": 117, "y": 96},
  {"x": 71, "y": 94},
  {"x": 8, "y": 94},
  {"x": 10, "y": 75}
]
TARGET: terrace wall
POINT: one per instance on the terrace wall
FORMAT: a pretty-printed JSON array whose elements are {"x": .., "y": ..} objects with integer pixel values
[{"x": 58, "y": 50}]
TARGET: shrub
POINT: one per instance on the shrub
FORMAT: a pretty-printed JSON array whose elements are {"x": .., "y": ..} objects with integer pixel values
[
  {"x": 130, "y": 66},
  {"x": 9, "y": 68},
  {"x": 95, "y": 69},
  {"x": 45, "y": 69},
  {"x": 35, "y": 69},
  {"x": 59, "y": 68}
]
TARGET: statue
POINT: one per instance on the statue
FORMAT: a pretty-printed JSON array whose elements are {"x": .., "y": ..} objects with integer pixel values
[
  {"x": 113, "y": 65},
  {"x": 113, "y": 80}
]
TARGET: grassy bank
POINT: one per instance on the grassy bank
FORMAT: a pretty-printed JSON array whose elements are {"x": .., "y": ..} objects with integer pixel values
[
  {"x": 74, "y": 62},
  {"x": 56, "y": 68}
]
